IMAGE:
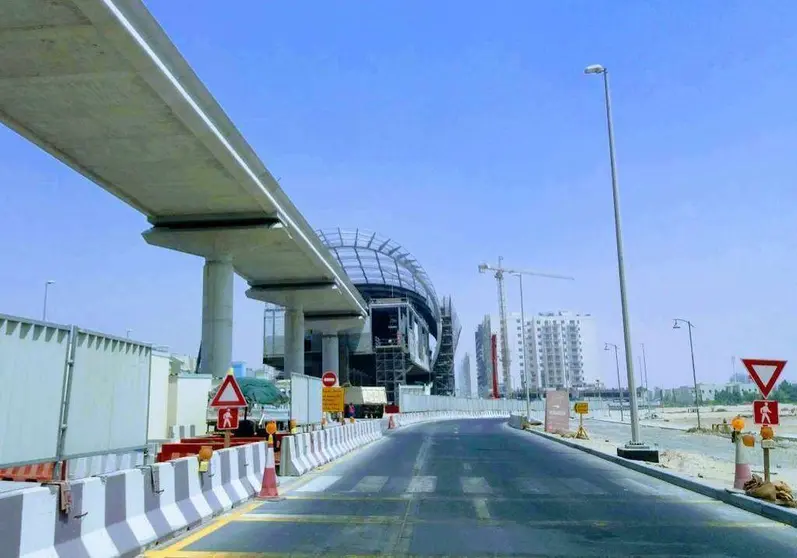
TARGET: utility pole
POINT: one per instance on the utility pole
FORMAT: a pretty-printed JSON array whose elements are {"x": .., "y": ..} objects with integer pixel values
[{"x": 500, "y": 271}]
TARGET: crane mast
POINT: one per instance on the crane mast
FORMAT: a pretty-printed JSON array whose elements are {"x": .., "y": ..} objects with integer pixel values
[
  {"x": 505, "y": 357},
  {"x": 500, "y": 271}
]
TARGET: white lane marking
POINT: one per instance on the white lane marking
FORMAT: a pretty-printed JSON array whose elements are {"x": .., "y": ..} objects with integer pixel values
[
  {"x": 422, "y": 484},
  {"x": 581, "y": 486},
  {"x": 475, "y": 485},
  {"x": 482, "y": 512},
  {"x": 370, "y": 484},
  {"x": 533, "y": 485},
  {"x": 319, "y": 484}
]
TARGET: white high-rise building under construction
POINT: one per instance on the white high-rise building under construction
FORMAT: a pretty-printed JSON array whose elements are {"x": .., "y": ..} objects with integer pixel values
[{"x": 561, "y": 348}]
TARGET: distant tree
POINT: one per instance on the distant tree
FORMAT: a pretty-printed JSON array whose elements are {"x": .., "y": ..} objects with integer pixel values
[
  {"x": 785, "y": 393},
  {"x": 728, "y": 397}
]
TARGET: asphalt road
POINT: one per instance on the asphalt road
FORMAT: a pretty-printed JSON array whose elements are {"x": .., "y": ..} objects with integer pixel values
[{"x": 479, "y": 488}]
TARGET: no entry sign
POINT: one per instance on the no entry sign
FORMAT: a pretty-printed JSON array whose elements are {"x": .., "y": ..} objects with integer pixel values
[{"x": 329, "y": 379}]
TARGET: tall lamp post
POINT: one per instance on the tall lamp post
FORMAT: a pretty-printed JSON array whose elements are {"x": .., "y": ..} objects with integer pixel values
[
  {"x": 635, "y": 449},
  {"x": 677, "y": 325},
  {"x": 46, "y": 288},
  {"x": 608, "y": 347},
  {"x": 525, "y": 351},
  {"x": 645, "y": 368}
]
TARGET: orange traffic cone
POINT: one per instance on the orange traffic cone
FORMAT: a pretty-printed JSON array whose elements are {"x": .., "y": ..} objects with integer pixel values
[
  {"x": 391, "y": 424},
  {"x": 268, "y": 490}
]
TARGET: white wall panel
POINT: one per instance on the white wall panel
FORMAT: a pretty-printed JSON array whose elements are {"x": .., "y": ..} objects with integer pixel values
[
  {"x": 32, "y": 365},
  {"x": 306, "y": 399},
  {"x": 412, "y": 402},
  {"x": 159, "y": 397},
  {"x": 109, "y": 395}
]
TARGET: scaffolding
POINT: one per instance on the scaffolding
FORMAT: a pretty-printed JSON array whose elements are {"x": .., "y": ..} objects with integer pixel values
[
  {"x": 443, "y": 371},
  {"x": 392, "y": 363}
]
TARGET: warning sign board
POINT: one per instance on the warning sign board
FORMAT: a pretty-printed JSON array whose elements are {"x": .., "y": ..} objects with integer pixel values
[
  {"x": 228, "y": 395},
  {"x": 766, "y": 412},
  {"x": 764, "y": 372},
  {"x": 332, "y": 400},
  {"x": 581, "y": 408},
  {"x": 227, "y": 418}
]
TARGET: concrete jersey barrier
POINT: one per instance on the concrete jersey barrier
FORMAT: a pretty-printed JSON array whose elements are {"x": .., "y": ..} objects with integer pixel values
[
  {"x": 122, "y": 513},
  {"x": 304, "y": 452}
]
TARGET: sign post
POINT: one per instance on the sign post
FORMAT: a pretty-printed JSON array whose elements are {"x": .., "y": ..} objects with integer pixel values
[
  {"x": 765, "y": 374},
  {"x": 228, "y": 401},
  {"x": 581, "y": 408}
]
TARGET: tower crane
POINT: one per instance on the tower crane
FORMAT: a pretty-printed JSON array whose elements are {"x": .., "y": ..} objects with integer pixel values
[{"x": 500, "y": 271}]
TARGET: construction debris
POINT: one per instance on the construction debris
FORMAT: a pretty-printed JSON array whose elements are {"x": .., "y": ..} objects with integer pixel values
[{"x": 778, "y": 492}]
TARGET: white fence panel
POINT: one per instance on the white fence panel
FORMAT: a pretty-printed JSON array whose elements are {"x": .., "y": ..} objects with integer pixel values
[
  {"x": 305, "y": 399},
  {"x": 108, "y": 408},
  {"x": 32, "y": 366},
  {"x": 314, "y": 390},
  {"x": 412, "y": 402}
]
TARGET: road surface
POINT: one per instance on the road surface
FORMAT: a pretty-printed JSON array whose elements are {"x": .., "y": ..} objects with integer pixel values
[{"x": 479, "y": 488}]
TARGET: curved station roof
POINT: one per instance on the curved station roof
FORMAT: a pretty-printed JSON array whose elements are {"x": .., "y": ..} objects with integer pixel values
[{"x": 381, "y": 268}]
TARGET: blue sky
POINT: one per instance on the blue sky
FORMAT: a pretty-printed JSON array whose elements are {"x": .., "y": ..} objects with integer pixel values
[{"x": 466, "y": 131}]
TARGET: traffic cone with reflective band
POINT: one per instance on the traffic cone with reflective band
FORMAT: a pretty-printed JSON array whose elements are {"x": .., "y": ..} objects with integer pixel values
[
  {"x": 268, "y": 490},
  {"x": 742, "y": 473}
]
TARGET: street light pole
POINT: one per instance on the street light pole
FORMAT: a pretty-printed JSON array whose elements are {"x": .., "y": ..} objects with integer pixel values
[
  {"x": 689, "y": 326},
  {"x": 606, "y": 347},
  {"x": 645, "y": 368},
  {"x": 629, "y": 358},
  {"x": 46, "y": 288},
  {"x": 525, "y": 352}
]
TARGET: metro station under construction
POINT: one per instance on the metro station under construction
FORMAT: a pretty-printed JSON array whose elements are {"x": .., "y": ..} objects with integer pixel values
[{"x": 410, "y": 336}]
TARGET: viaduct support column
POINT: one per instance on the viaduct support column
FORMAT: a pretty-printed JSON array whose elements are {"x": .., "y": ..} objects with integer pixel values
[
  {"x": 217, "y": 297},
  {"x": 294, "y": 341},
  {"x": 330, "y": 355}
]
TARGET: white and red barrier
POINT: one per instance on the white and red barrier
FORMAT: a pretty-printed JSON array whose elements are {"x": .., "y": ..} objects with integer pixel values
[
  {"x": 301, "y": 453},
  {"x": 122, "y": 513}
]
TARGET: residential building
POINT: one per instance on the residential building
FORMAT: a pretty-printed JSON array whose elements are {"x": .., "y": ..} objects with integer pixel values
[
  {"x": 561, "y": 349},
  {"x": 484, "y": 362},
  {"x": 463, "y": 383}
]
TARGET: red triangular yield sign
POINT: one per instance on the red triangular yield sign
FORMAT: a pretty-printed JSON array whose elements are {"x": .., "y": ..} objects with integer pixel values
[
  {"x": 229, "y": 394},
  {"x": 764, "y": 372}
]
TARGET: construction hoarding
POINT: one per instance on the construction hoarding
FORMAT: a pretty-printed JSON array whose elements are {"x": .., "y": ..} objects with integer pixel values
[
  {"x": 94, "y": 384},
  {"x": 306, "y": 399}
]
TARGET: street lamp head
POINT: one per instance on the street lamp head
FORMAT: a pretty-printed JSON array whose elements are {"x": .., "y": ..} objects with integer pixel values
[
  {"x": 483, "y": 267},
  {"x": 676, "y": 325},
  {"x": 50, "y": 282},
  {"x": 606, "y": 347},
  {"x": 594, "y": 69}
]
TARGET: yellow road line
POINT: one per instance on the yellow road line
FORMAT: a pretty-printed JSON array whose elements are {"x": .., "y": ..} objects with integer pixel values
[
  {"x": 391, "y": 520},
  {"x": 315, "y": 518},
  {"x": 224, "y": 554},
  {"x": 218, "y": 523},
  {"x": 204, "y": 531},
  {"x": 463, "y": 498}
]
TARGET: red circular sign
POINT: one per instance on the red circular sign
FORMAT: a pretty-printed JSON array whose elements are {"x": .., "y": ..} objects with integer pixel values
[{"x": 329, "y": 379}]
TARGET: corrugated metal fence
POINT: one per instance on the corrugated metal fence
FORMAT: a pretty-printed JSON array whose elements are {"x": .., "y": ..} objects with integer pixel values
[
  {"x": 90, "y": 392},
  {"x": 409, "y": 403}
]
